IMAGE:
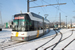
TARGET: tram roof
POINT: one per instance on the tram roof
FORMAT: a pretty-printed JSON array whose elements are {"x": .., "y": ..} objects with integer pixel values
[{"x": 33, "y": 14}]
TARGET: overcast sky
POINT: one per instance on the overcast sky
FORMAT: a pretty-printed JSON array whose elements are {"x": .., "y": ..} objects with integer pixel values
[{"x": 10, "y": 7}]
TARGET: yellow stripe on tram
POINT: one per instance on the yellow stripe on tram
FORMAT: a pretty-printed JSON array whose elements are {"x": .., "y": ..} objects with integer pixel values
[
  {"x": 17, "y": 34},
  {"x": 37, "y": 33}
]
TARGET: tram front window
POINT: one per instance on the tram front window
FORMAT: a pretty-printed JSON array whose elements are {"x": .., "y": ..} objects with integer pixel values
[{"x": 18, "y": 25}]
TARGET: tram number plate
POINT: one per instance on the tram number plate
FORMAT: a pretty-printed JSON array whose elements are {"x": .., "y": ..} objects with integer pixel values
[{"x": 17, "y": 34}]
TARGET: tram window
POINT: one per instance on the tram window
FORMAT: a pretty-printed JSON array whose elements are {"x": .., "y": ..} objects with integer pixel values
[
  {"x": 45, "y": 26},
  {"x": 39, "y": 25},
  {"x": 35, "y": 25},
  {"x": 32, "y": 26}
]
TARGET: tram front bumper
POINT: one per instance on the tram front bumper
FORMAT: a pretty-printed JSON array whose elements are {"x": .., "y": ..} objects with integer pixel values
[{"x": 19, "y": 38}]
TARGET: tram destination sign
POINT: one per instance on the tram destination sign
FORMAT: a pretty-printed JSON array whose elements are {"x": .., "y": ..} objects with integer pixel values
[{"x": 22, "y": 17}]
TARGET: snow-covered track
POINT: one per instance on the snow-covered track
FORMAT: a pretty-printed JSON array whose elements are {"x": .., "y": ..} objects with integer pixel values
[
  {"x": 68, "y": 44},
  {"x": 60, "y": 41},
  {"x": 55, "y": 44},
  {"x": 47, "y": 41}
]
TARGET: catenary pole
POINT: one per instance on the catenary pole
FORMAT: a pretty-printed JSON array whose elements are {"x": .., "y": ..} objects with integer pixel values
[{"x": 27, "y": 5}]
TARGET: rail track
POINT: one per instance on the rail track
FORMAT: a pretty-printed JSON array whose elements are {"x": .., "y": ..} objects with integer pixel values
[
  {"x": 58, "y": 41},
  {"x": 47, "y": 41},
  {"x": 68, "y": 44},
  {"x": 55, "y": 44}
]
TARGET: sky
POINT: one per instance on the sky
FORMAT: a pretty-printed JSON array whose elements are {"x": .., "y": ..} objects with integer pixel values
[{"x": 9, "y": 8}]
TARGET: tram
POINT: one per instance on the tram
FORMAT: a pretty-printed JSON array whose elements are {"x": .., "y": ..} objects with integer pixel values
[
  {"x": 27, "y": 26},
  {"x": 55, "y": 26}
]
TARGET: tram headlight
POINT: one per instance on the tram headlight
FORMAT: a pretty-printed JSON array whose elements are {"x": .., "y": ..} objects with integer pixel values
[
  {"x": 22, "y": 37},
  {"x": 22, "y": 34}
]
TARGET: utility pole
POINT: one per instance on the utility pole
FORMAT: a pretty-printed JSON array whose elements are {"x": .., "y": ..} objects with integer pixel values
[
  {"x": 60, "y": 19},
  {"x": 27, "y": 5}
]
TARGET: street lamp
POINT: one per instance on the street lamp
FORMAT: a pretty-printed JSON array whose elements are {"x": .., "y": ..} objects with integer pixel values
[
  {"x": 71, "y": 23},
  {"x": 66, "y": 21}
]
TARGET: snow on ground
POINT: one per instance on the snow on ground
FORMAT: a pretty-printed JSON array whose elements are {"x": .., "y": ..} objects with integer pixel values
[
  {"x": 5, "y": 35},
  {"x": 65, "y": 42}
]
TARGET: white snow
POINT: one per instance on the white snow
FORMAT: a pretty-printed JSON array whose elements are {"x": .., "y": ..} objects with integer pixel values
[{"x": 6, "y": 33}]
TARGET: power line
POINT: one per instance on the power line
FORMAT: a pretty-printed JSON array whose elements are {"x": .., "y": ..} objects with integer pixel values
[
  {"x": 43, "y": 7},
  {"x": 57, "y": 1},
  {"x": 56, "y": 7},
  {"x": 44, "y": 1},
  {"x": 73, "y": 2},
  {"x": 58, "y": 12},
  {"x": 42, "y": 4},
  {"x": 37, "y": 5},
  {"x": 48, "y": 5}
]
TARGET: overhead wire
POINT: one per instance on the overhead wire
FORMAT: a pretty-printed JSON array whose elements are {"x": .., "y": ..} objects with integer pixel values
[
  {"x": 53, "y": 6},
  {"x": 57, "y": 11},
  {"x": 56, "y": 8},
  {"x": 73, "y": 2},
  {"x": 44, "y": 10},
  {"x": 42, "y": 4},
  {"x": 41, "y": 7}
]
